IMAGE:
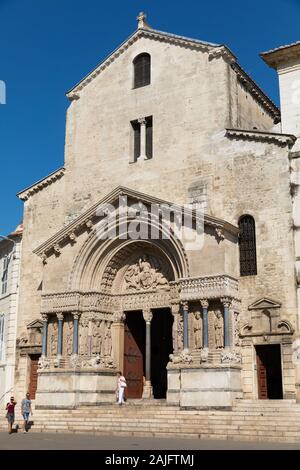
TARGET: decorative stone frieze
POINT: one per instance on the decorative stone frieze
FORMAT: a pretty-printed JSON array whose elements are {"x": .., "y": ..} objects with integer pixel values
[
  {"x": 208, "y": 287},
  {"x": 231, "y": 357}
]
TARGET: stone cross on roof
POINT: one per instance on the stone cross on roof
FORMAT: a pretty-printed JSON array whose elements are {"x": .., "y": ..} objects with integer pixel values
[{"x": 142, "y": 23}]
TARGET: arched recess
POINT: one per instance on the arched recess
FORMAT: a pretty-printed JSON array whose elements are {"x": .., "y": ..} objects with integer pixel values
[{"x": 99, "y": 260}]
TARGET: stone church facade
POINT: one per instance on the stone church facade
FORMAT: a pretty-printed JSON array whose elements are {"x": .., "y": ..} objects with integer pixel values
[{"x": 165, "y": 121}]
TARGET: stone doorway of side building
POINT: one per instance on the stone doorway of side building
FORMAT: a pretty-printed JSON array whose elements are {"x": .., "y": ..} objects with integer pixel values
[
  {"x": 269, "y": 373},
  {"x": 135, "y": 351},
  {"x": 33, "y": 374}
]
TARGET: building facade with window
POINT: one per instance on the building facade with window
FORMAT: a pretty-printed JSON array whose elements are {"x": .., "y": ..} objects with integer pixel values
[
  {"x": 10, "y": 255},
  {"x": 166, "y": 246}
]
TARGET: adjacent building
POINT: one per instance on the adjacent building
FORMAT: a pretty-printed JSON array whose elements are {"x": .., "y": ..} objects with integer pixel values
[{"x": 10, "y": 255}]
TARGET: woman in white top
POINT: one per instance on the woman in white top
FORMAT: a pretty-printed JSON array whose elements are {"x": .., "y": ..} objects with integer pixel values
[{"x": 121, "y": 385}]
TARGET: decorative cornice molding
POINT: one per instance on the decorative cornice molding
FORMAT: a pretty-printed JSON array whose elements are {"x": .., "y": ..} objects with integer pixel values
[
  {"x": 41, "y": 184},
  {"x": 261, "y": 136},
  {"x": 86, "y": 220},
  {"x": 114, "y": 305}
]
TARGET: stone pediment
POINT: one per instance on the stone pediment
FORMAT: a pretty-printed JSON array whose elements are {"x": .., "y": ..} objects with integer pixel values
[
  {"x": 214, "y": 51},
  {"x": 154, "y": 35},
  {"x": 93, "y": 216},
  {"x": 35, "y": 324},
  {"x": 264, "y": 303}
]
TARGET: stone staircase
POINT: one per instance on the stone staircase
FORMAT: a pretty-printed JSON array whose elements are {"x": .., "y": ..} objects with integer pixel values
[{"x": 251, "y": 420}]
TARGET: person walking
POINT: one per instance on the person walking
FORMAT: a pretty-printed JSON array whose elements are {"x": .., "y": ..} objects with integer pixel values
[
  {"x": 26, "y": 410},
  {"x": 121, "y": 385},
  {"x": 10, "y": 413}
]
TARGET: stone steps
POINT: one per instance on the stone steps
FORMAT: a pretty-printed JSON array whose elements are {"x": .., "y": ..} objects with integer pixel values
[{"x": 248, "y": 420}]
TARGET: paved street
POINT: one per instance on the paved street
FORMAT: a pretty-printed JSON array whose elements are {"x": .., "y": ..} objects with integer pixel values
[{"x": 45, "y": 441}]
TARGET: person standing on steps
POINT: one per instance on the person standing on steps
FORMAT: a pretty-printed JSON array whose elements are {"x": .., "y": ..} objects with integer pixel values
[
  {"x": 10, "y": 413},
  {"x": 26, "y": 410},
  {"x": 121, "y": 385}
]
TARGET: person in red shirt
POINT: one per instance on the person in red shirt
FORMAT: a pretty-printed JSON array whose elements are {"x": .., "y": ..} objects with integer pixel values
[{"x": 10, "y": 413}]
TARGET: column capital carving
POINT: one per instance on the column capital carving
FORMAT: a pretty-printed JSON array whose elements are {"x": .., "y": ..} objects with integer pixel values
[
  {"x": 148, "y": 315},
  {"x": 175, "y": 309},
  {"x": 185, "y": 305},
  {"x": 142, "y": 121},
  {"x": 76, "y": 315},
  {"x": 226, "y": 301},
  {"x": 44, "y": 317},
  {"x": 60, "y": 316},
  {"x": 119, "y": 317},
  {"x": 204, "y": 303}
]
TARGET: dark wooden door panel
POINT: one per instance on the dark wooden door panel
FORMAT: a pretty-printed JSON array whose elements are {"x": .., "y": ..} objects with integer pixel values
[
  {"x": 261, "y": 378},
  {"x": 133, "y": 363},
  {"x": 33, "y": 376}
]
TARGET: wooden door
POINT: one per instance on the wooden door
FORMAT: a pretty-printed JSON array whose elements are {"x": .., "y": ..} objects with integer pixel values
[
  {"x": 133, "y": 356},
  {"x": 34, "y": 359},
  {"x": 261, "y": 376}
]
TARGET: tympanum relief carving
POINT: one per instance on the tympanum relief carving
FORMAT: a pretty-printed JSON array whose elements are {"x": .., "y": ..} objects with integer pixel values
[{"x": 145, "y": 274}]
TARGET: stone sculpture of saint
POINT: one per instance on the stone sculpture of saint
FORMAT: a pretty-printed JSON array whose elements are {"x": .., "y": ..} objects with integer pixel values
[
  {"x": 197, "y": 324},
  {"x": 107, "y": 341},
  {"x": 146, "y": 278},
  {"x": 69, "y": 340},
  {"x": 83, "y": 335},
  {"x": 219, "y": 330}
]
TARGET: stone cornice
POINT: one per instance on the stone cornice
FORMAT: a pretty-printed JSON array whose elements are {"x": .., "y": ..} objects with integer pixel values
[
  {"x": 139, "y": 33},
  {"x": 41, "y": 184},
  {"x": 281, "y": 55},
  {"x": 261, "y": 136},
  {"x": 89, "y": 218}
]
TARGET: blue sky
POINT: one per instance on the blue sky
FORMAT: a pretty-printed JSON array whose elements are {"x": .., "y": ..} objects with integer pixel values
[{"x": 47, "y": 46}]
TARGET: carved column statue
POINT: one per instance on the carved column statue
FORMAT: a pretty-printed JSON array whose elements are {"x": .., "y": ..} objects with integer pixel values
[
  {"x": 45, "y": 334},
  {"x": 197, "y": 329},
  {"x": 75, "y": 333},
  {"x": 226, "y": 301},
  {"x": 219, "y": 329},
  {"x": 175, "y": 309},
  {"x": 204, "y": 305},
  {"x": 147, "y": 391}
]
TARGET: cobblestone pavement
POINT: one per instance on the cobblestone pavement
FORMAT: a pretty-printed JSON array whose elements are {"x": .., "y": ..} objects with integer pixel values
[{"x": 56, "y": 441}]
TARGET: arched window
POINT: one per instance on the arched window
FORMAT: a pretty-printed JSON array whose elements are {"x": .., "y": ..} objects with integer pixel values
[
  {"x": 141, "y": 66},
  {"x": 247, "y": 246}
]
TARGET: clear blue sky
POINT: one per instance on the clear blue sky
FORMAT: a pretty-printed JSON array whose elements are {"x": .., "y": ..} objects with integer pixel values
[{"x": 47, "y": 46}]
